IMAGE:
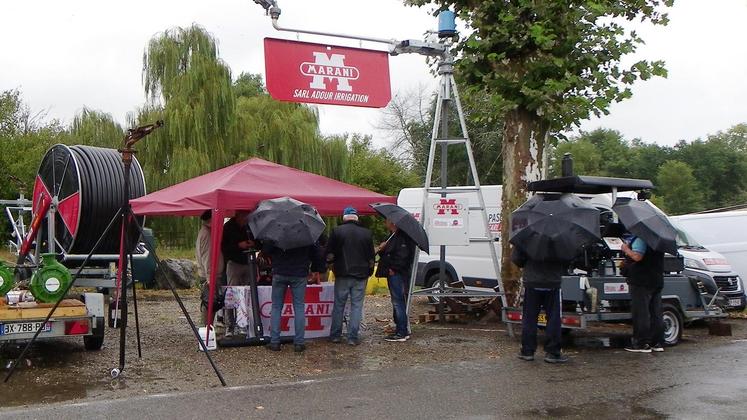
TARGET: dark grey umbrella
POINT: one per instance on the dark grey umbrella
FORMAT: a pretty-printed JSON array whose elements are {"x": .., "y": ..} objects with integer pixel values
[
  {"x": 554, "y": 227},
  {"x": 286, "y": 222},
  {"x": 405, "y": 222},
  {"x": 648, "y": 223}
]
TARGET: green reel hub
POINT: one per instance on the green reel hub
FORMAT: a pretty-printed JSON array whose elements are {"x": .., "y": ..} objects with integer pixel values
[
  {"x": 50, "y": 281},
  {"x": 6, "y": 279}
]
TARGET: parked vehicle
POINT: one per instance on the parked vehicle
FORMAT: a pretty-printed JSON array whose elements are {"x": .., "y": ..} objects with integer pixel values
[
  {"x": 595, "y": 291},
  {"x": 722, "y": 232},
  {"x": 712, "y": 268},
  {"x": 470, "y": 264}
]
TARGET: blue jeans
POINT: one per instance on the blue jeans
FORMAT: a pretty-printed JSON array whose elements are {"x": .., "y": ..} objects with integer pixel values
[
  {"x": 298, "y": 290},
  {"x": 398, "y": 292},
  {"x": 356, "y": 289}
]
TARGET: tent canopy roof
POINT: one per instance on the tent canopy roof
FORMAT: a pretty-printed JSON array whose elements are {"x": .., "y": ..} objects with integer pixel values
[{"x": 245, "y": 184}]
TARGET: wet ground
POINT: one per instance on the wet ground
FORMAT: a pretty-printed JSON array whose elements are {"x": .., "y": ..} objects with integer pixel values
[{"x": 62, "y": 371}]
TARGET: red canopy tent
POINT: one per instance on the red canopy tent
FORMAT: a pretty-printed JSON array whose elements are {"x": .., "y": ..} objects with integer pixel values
[{"x": 243, "y": 186}]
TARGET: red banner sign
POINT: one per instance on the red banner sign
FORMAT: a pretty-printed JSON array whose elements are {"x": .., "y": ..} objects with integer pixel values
[{"x": 324, "y": 74}]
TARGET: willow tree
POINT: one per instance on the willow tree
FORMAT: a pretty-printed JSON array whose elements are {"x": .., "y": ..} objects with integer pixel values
[
  {"x": 212, "y": 122},
  {"x": 547, "y": 64},
  {"x": 95, "y": 128},
  {"x": 190, "y": 88},
  {"x": 285, "y": 132}
]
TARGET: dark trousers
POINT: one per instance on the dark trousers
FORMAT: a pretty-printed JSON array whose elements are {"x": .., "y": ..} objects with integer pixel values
[
  {"x": 648, "y": 323},
  {"x": 534, "y": 301}
]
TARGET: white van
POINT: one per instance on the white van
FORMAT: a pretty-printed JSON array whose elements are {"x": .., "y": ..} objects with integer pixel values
[
  {"x": 722, "y": 232},
  {"x": 471, "y": 264},
  {"x": 710, "y": 267}
]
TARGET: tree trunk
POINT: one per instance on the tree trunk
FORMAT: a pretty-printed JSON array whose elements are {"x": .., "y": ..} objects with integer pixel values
[{"x": 523, "y": 148}]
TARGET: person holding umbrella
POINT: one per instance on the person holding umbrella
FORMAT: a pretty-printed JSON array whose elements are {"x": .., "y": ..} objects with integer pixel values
[
  {"x": 289, "y": 230},
  {"x": 548, "y": 231},
  {"x": 542, "y": 280},
  {"x": 395, "y": 263},
  {"x": 644, "y": 269}
]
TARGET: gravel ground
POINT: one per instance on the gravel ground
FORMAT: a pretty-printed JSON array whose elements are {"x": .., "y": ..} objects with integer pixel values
[{"x": 61, "y": 370}]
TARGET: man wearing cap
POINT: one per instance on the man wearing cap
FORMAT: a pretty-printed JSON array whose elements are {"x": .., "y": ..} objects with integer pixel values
[{"x": 350, "y": 250}]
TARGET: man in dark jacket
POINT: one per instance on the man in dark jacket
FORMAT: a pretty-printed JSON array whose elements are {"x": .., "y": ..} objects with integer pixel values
[
  {"x": 645, "y": 272},
  {"x": 350, "y": 250},
  {"x": 290, "y": 269},
  {"x": 395, "y": 264},
  {"x": 236, "y": 240},
  {"x": 542, "y": 280}
]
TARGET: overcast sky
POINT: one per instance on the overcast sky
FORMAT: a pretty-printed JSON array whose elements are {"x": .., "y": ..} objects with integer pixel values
[{"x": 66, "y": 54}]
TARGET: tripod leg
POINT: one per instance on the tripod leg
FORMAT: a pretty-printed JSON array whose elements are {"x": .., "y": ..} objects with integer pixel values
[
  {"x": 181, "y": 304},
  {"x": 134, "y": 303},
  {"x": 62, "y": 297}
]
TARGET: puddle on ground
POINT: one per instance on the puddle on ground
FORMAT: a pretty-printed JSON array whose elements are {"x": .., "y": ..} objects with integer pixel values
[{"x": 43, "y": 375}]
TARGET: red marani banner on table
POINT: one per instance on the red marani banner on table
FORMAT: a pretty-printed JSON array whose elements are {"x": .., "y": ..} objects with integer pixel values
[{"x": 326, "y": 74}]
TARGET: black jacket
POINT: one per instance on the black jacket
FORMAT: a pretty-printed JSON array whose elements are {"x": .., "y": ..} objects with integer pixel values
[
  {"x": 649, "y": 271},
  {"x": 350, "y": 248},
  {"x": 295, "y": 262},
  {"x": 539, "y": 274},
  {"x": 229, "y": 245},
  {"x": 396, "y": 255}
]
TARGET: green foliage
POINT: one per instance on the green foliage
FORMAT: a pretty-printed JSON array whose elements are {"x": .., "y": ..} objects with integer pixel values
[
  {"x": 248, "y": 85},
  {"x": 719, "y": 164},
  {"x": 190, "y": 88},
  {"x": 680, "y": 190},
  {"x": 409, "y": 119},
  {"x": 691, "y": 176},
  {"x": 24, "y": 138},
  {"x": 559, "y": 60},
  {"x": 546, "y": 65},
  {"x": 376, "y": 170},
  {"x": 95, "y": 128}
]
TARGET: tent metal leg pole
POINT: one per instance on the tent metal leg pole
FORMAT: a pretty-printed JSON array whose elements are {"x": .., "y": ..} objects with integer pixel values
[
  {"x": 134, "y": 304},
  {"x": 181, "y": 305}
]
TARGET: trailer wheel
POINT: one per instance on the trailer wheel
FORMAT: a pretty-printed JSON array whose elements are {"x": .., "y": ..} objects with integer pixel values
[
  {"x": 96, "y": 340},
  {"x": 673, "y": 324},
  {"x": 433, "y": 281}
]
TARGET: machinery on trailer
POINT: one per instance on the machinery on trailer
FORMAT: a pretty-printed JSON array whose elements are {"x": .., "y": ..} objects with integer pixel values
[
  {"x": 77, "y": 193},
  {"x": 595, "y": 291}
]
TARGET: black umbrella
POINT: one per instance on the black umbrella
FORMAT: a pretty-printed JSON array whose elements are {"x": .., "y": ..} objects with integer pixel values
[
  {"x": 405, "y": 222},
  {"x": 286, "y": 223},
  {"x": 648, "y": 223},
  {"x": 554, "y": 227}
]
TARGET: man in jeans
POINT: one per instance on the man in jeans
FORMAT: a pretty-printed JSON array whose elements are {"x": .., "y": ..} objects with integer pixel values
[
  {"x": 645, "y": 273},
  {"x": 395, "y": 263},
  {"x": 290, "y": 269},
  {"x": 542, "y": 281},
  {"x": 350, "y": 250}
]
